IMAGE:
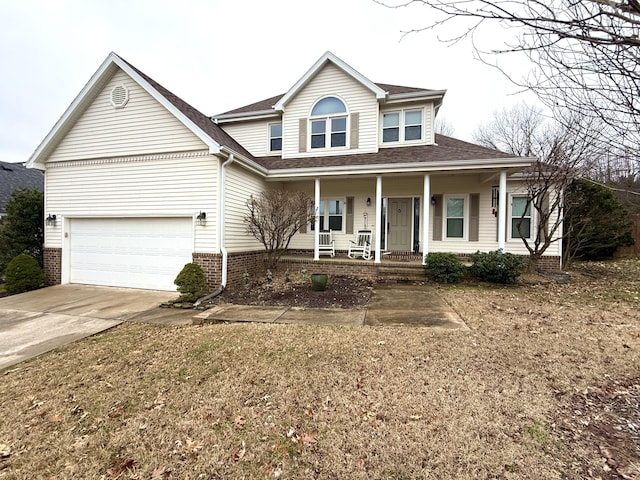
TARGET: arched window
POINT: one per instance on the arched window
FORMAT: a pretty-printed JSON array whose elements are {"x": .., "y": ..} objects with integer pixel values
[{"x": 329, "y": 123}]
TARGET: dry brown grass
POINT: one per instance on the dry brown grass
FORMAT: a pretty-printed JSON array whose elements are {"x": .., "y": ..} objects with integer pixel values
[{"x": 276, "y": 401}]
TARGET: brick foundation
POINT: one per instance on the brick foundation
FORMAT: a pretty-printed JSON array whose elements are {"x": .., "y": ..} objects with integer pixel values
[
  {"x": 53, "y": 265},
  {"x": 211, "y": 264},
  {"x": 546, "y": 264}
]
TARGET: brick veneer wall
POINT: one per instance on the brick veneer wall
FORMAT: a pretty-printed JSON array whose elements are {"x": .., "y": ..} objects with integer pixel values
[
  {"x": 211, "y": 264},
  {"x": 254, "y": 263},
  {"x": 53, "y": 265}
]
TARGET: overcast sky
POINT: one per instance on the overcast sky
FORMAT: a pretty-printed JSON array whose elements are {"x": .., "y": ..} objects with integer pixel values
[{"x": 222, "y": 54}]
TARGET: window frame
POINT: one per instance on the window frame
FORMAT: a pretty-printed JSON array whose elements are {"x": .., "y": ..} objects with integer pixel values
[
  {"x": 271, "y": 138},
  {"x": 402, "y": 126},
  {"x": 512, "y": 218},
  {"x": 325, "y": 201},
  {"x": 465, "y": 217},
  {"x": 329, "y": 132}
]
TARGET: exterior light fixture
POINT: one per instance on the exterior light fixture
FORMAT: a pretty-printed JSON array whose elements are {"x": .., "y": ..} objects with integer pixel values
[
  {"x": 433, "y": 200},
  {"x": 368, "y": 201},
  {"x": 51, "y": 220},
  {"x": 201, "y": 219}
]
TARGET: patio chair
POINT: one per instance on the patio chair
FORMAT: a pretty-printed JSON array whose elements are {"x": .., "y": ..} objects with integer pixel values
[
  {"x": 326, "y": 244},
  {"x": 362, "y": 246}
]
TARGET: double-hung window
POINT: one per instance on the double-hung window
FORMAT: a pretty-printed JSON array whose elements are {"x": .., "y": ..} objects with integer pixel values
[
  {"x": 329, "y": 124},
  {"x": 402, "y": 126},
  {"x": 275, "y": 137},
  {"x": 331, "y": 213},
  {"x": 454, "y": 226},
  {"x": 520, "y": 217}
]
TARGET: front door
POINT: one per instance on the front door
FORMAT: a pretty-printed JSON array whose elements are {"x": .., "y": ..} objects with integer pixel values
[{"x": 399, "y": 226}]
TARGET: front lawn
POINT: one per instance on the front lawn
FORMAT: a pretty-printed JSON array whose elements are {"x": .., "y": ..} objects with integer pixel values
[{"x": 533, "y": 391}]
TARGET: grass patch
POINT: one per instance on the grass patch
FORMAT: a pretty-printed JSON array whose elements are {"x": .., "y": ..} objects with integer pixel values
[{"x": 260, "y": 401}]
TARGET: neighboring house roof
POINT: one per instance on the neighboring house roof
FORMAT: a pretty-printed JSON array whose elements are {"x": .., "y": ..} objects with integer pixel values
[
  {"x": 445, "y": 152},
  {"x": 199, "y": 124},
  {"x": 14, "y": 176}
]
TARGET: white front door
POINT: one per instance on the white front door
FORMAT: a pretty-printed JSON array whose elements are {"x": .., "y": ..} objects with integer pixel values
[{"x": 129, "y": 252}]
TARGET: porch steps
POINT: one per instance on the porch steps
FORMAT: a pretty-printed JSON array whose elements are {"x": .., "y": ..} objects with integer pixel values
[{"x": 401, "y": 273}]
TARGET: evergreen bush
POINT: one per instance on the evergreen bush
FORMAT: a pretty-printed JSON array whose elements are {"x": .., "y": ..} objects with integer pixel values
[
  {"x": 23, "y": 274},
  {"x": 191, "y": 282},
  {"x": 444, "y": 267},
  {"x": 497, "y": 266}
]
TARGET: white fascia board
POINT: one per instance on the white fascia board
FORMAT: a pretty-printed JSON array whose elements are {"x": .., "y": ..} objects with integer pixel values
[
  {"x": 214, "y": 147},
  {"x": 246, "y": 116},
  {"x": 245, "y": 162},
  {"x": 329, "y": 57},
  {"x": 425, "y": 167},
  {"x": 415, "y": 97}
]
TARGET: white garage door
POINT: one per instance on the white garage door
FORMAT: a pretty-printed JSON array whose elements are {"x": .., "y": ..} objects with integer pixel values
[{"x": 130, "y": 252}]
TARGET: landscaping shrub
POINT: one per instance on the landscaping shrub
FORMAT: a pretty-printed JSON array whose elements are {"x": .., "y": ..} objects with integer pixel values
[
  {"x": 191, "y": 282},
  {"x": 23, "y": 274},
  {"x": 444, "y": 268},
  {"x": 497, "y": 266}
]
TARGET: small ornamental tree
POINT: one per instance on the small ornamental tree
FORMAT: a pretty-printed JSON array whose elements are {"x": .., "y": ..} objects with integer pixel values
[
  {"x": 191, "y": 282},
  {"x": 23, "y": 274},
  {"x": 274, "y": 217},
  {"x": 22, "y": 228}
]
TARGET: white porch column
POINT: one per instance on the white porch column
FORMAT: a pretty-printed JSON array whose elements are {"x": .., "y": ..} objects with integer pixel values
[
  {"x": 502, "y": 211},
  {"x": 379, "y": 226},
  {"x": 316, "y": 231},
  {"x": 426, "y": 211}
]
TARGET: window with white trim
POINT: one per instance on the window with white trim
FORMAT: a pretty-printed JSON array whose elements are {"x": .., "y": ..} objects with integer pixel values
[
  {"x": 331, "y": 212},
  {"x": 520, "y": 217},
  {"x": 402, "y": 126},
  {"x": 275, "y": 137},
  {"x": 328, "y": 124},
  {"x": 454, "y": 217}
]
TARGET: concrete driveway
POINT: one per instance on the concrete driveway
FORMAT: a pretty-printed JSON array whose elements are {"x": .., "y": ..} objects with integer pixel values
[{"x": 35, "y": 322}]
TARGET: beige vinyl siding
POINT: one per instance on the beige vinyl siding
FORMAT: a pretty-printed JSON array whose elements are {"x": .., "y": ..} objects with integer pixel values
[
  {"x": 159, "y": 188},
  {"x": 254, "y": 136},
  {"x": 240, "y": 185},
  {"x": 143, "y": 126},
  {"x": 340, "y": 189},
  {"x": 331, "y": 81}
]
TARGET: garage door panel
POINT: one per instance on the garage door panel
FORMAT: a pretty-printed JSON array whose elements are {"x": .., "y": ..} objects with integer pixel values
[{"x": 132, "y": 252}]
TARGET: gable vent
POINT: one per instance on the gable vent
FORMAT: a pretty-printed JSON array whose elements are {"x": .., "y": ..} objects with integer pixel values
[{"x": 119, "y": 96}]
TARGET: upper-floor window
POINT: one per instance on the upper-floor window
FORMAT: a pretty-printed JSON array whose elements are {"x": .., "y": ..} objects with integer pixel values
[
  {"x": 275, "y": 137},
  {"x": 402, "y": 126},
  {"x": 329, "y": 123},
  {"x": 520, "y": 217}
]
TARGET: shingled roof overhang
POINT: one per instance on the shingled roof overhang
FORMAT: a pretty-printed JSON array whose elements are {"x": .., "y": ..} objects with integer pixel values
[{"x": 449, "y": 155}]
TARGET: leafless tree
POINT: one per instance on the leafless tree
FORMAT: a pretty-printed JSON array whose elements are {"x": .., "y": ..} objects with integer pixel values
[
  {"x": 274, "y": 217},
  {"x": 444, "y": 127},
  {"x": 563, "y": 154},
  {"x": 585, "y": 52}
]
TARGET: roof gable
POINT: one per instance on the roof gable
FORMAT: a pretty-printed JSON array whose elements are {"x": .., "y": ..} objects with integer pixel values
[
  {"x": 199, "y": 124},
  {"x": 328, "y": 57}
]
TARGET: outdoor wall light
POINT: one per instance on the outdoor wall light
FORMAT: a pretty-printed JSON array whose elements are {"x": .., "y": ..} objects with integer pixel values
[
  {"x": 201, "y": 219},
  {"x": 368, "y": 201},
  {"x": 433, "y": 200},
  {"x": 51, "y": 220}
]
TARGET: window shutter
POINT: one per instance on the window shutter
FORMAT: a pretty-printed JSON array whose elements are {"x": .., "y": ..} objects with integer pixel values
[
  {"x": 303, "y": 229},
  {"x": 354, "y": 140},
  {"x": 349, "y": 225},
  {"x": 437, "y": 218},
  {"x": 545, "y": 211},
  {"x": 302, "y": 135},
  {"x": 474, "y": 217}
]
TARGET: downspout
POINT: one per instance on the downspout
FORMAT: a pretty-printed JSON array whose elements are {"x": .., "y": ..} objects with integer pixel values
[{"x": 223, "y": 248}]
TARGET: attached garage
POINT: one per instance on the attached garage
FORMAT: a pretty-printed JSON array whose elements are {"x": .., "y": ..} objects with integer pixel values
[{"x": 129, "y": 252}]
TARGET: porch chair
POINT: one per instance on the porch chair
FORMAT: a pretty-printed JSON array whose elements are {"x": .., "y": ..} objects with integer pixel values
[
  {"x": 362, "y": 246},
  {"x": 326, "y": 244}
]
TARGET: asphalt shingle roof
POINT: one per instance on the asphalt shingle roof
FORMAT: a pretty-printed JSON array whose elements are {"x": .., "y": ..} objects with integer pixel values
[{"x": 14, "y": 176}]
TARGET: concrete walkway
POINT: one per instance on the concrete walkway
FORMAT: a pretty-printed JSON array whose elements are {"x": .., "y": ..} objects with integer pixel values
[{"x": 390, "y": 305}]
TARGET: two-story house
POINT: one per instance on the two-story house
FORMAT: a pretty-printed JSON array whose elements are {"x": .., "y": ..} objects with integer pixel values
[{"x": 138, "y": 182}]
